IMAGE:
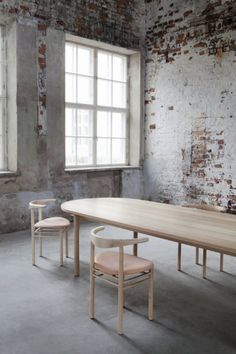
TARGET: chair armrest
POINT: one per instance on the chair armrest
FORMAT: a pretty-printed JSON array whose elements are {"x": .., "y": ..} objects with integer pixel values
[
  {"x": 135, "y": 241},
  {"x": 104, "y": 242}
]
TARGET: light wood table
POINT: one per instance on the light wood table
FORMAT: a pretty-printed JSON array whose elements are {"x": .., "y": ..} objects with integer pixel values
[{"x": 200, "y": 228}]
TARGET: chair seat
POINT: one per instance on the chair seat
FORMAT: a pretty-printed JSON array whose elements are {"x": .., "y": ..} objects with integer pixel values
[
  {"x": 108, "y": 263},
  {"x": 54, "y": 222}
]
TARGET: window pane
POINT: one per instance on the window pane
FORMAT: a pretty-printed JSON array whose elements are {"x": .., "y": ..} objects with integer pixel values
[
  {"x": 118, "y": 151},
  {"x": 104, "y": 93},
  {"x": 85, "y": 122},
  {"x": 70, "y": 58},
  {"x": 110, "y": 127},
  {"x": 70, "y": 151},
  {"x": 118, "y": 125},
  {"x": 103, "y": 151},
  {"x": 85, "y": 61},
  {"x": 84, "y": 151},
  {"x": 104, "y": 65},
  {"x": 119, "y": 68},
  {"x": 103, "y": 124},
  {"x": 70, "y": 122},
  {"x": 119, "y": 95},
  {"x": 70, "y": 88},
  {"x": 85, "y": 90}
]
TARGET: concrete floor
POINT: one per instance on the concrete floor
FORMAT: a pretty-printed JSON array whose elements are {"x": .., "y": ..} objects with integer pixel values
[{"x": 44, "y": 309}]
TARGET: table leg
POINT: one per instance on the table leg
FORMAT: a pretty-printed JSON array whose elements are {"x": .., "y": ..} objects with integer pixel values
[
  {"x": 179, "y": 256},
  {"x": 221, "y": 262},
  {"x": 204, "y": 263},
  {"x": 197, "y": 255},
  {"x": 135, "y": 250},
  {"x": 76, "y": 246}
]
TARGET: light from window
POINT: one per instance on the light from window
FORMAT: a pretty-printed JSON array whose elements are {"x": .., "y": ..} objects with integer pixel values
[
  {"x": 96, "y": 107},
  {"x": 2, "y": 102}
]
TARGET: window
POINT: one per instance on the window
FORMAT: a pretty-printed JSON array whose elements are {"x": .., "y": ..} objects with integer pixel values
[
  {"x": 3, "y": 128},
  {"x": 96, "y": 106}
]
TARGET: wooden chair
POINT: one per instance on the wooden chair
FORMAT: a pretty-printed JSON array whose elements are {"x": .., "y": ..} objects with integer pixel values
[
  {"x": 54, "y": 226},
  {"x": 119, "y": 269},
  {"x": 208, "y": 208}
]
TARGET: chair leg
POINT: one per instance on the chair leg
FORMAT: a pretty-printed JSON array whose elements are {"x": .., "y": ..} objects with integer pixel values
[
  {"x": 40, "y": 247},
  {"x": 33, "y": 250},
  {"x": 150, "y": 295},
  {"x": 91, "y": 296},
  {"x": 120, "y": 307},
  {"x": 67, "y": 242},
  {"x": 197, "y": 256},
  {"x": 204, "y": 263},
  {"x": 61, "y": 248},
  {"x": 221, "y": 262},
  {"x": 135, "y": 247},
  {"x": 179, "y": 257}
]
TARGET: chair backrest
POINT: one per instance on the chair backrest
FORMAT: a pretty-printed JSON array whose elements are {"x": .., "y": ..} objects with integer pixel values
[
  {"x": 104, "y": 242},
  {"x": 38, "y": 205},
  {"x": 41, "y": 203},
  {"x": 206, "y": 207}
]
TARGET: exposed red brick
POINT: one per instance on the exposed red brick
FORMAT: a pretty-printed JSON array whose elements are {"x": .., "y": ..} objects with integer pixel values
[
  {"x": 42, "y": 100},
  {"x": 42, "y": 49},
  {"x": 13, "y": 10},
  {"x": 42, "y": 27},
  {"x": 187, "y": 13},
  {"x": 42, "y": 63},
  {"x": 92, "y": 6},
  {"x": 221, "y": 141},
  {"x": 200, "y": 45},
  {"x": 24, "y": 8}
]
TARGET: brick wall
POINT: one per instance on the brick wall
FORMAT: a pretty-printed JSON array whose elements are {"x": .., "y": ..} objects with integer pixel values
[
  {"x": 190, "y": 120},
  {"x": 40, "y": 101},
  {"x": 114, "y": 22}
]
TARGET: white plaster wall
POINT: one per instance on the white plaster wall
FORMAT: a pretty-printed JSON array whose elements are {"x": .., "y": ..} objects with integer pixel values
[{"x": 190, "y": 120}]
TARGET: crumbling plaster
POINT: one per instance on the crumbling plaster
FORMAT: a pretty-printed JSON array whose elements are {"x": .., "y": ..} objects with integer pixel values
[
  {"x": 40, "y": 37},
  {"x": 190, "y": 121},
  {"x": 190, "y": 104}
]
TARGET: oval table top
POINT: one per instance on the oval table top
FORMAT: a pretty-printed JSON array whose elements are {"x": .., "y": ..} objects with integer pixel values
[{"x": 201, "y": 228}]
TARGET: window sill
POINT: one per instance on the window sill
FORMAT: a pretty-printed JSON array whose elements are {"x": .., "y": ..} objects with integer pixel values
[
  {"x": 101, "y": 168},
  {"x": 8, "y": 174}
]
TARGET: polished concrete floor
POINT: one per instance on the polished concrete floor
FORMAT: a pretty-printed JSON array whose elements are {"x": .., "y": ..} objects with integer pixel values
[{"x": 44, "y": 309}]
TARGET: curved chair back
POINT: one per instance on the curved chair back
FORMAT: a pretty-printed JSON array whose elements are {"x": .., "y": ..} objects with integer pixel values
[
  {"x": 103, "y": 242},
  {"x": 42, "y": 203},
  {"x": 38, "y": 205}
]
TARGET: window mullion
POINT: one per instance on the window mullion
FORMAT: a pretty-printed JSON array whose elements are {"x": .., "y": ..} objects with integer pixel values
[
  {"x": 111, "y": 106},
  {"x": 95, "y": 69},
  {"x": 111, "y": 138},
  {"x": 76, "y": 112},
  {"x": 127, "y": 114}
]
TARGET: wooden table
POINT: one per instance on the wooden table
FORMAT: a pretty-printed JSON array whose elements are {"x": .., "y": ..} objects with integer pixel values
[{"x": 200, "y": 228}]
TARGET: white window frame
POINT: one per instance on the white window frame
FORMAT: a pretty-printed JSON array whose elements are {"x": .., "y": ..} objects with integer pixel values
[
  {"x": 96, "y": 108},
  {"x": 3, "y": 99},
  {"x": 135, "y": 119}
]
